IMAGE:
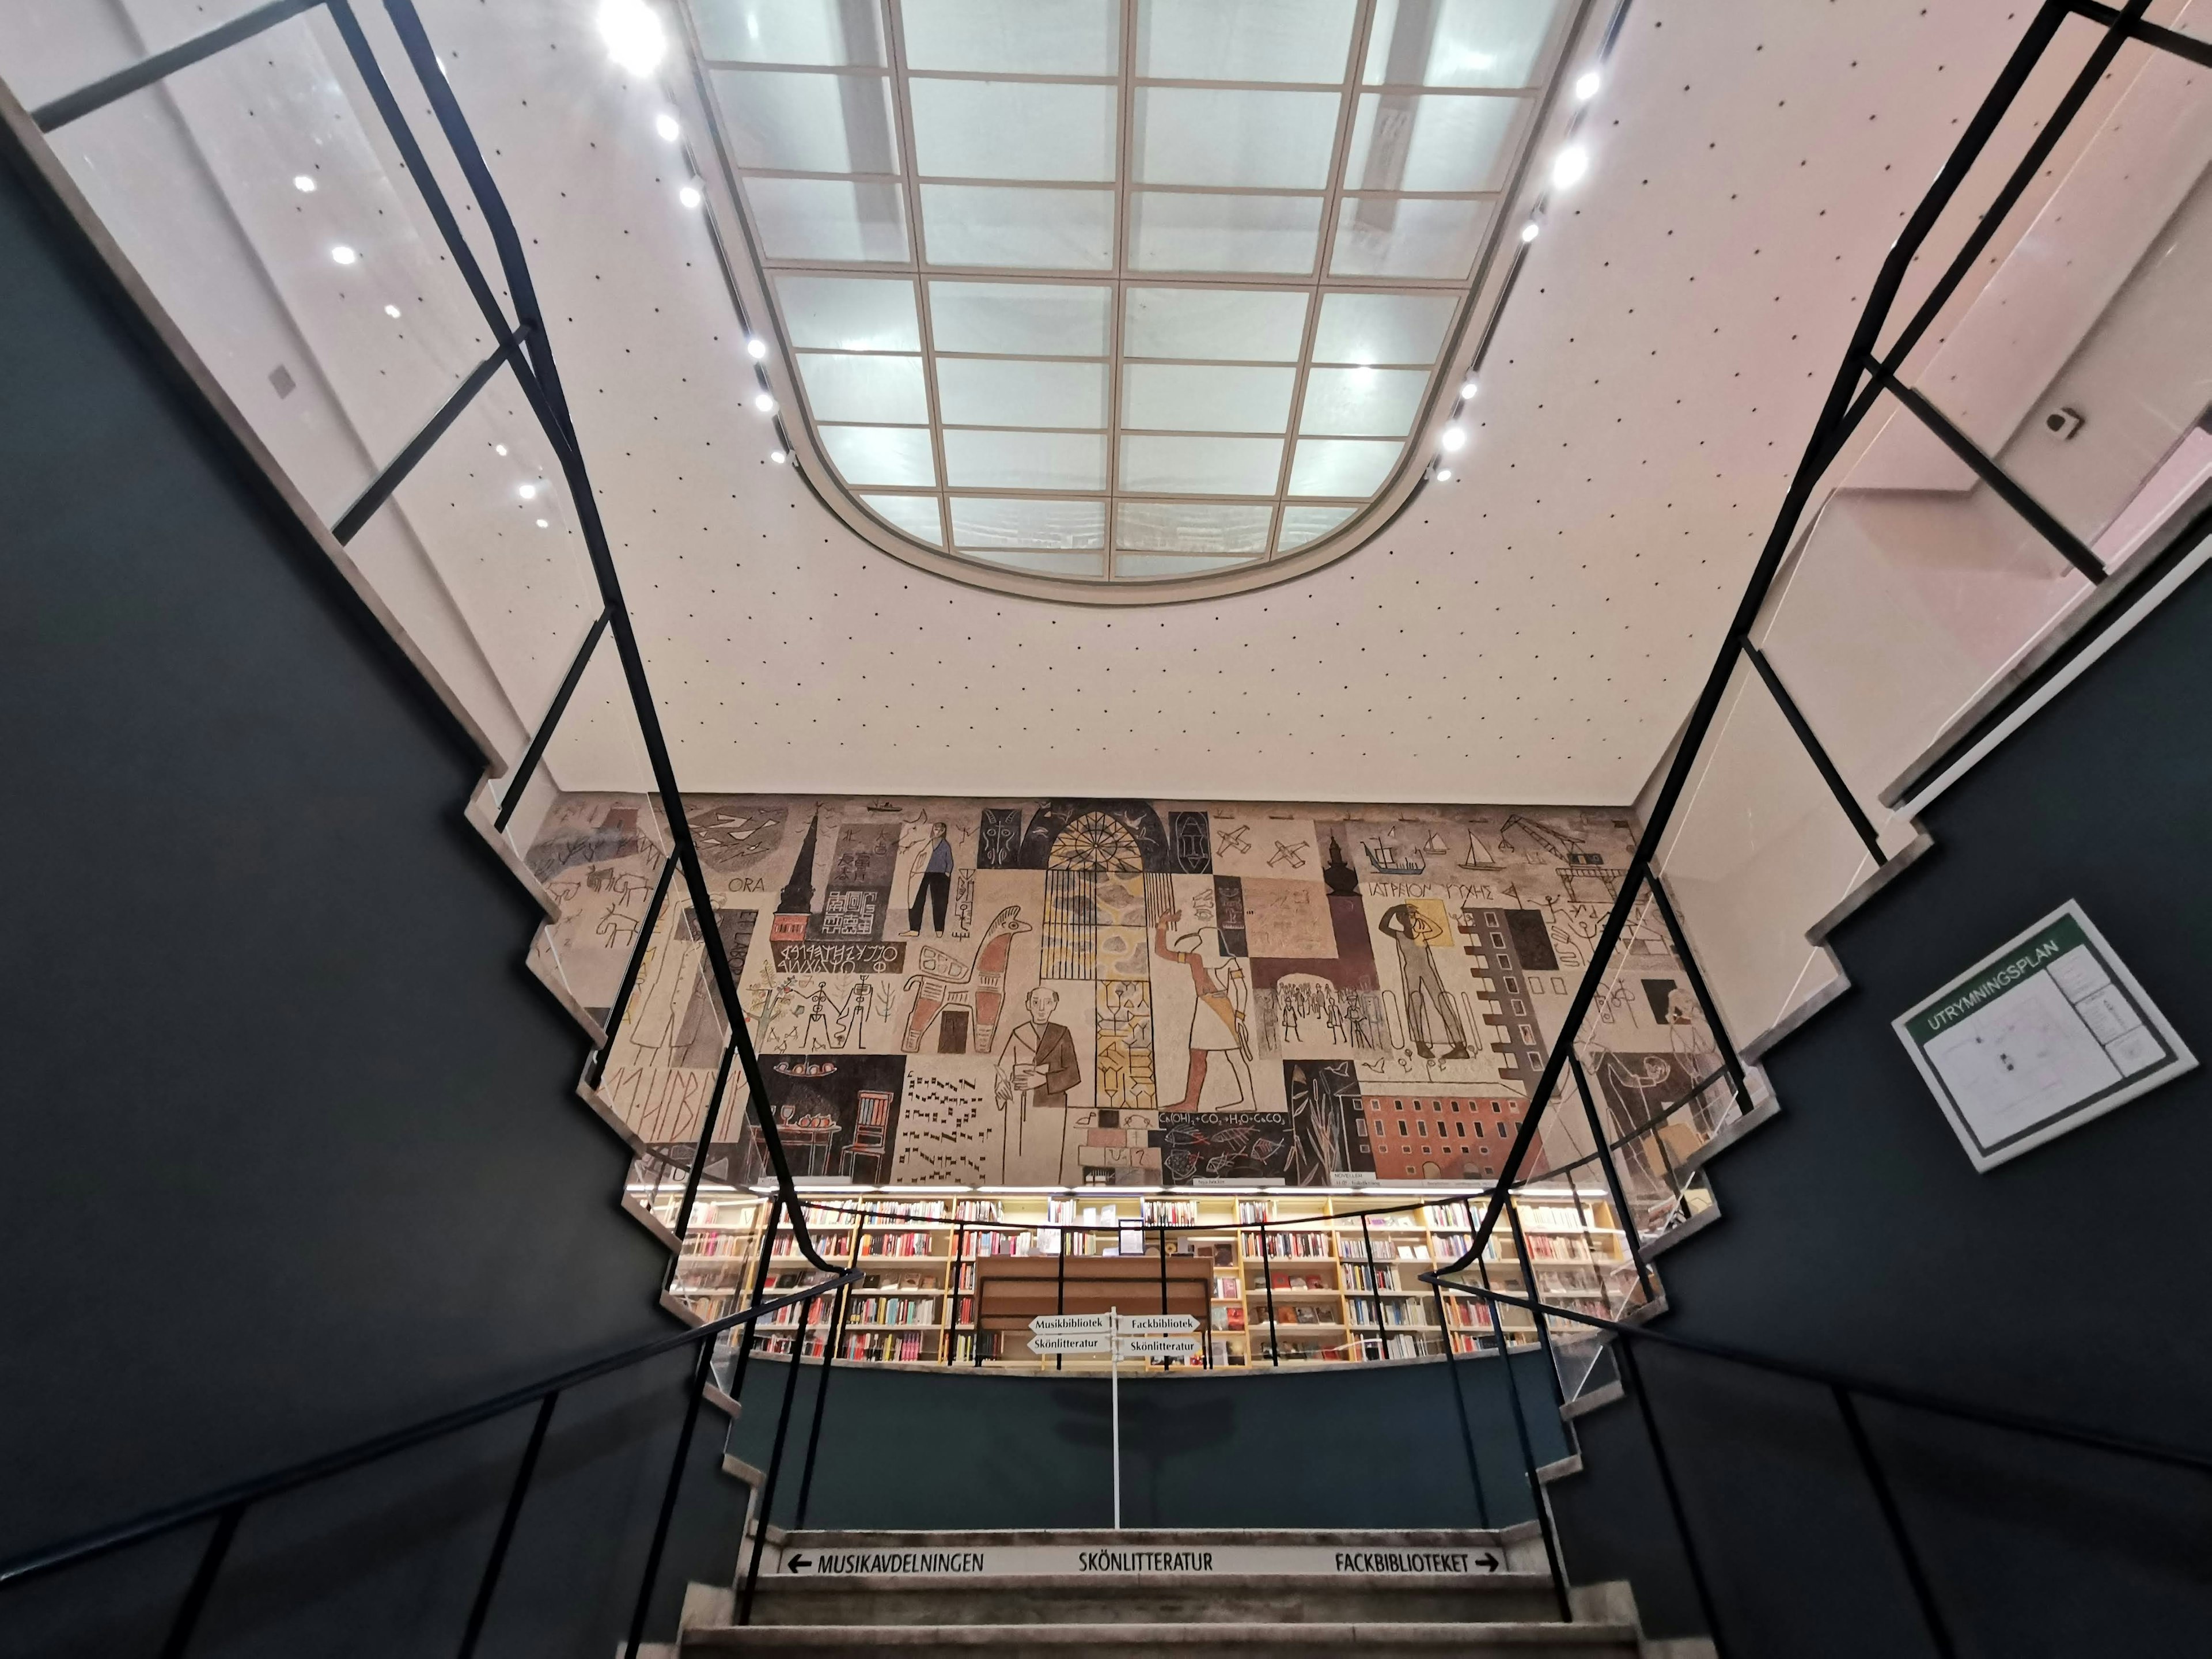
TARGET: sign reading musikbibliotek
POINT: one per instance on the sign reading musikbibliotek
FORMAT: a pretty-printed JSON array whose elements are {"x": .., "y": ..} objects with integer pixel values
[
  {"x": 2039, "y": 1037},
  {"x": 1126, "y": 1336}
]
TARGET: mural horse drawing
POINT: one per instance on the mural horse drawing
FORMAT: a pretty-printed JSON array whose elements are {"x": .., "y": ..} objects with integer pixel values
[{"x": 978, "y": 985}]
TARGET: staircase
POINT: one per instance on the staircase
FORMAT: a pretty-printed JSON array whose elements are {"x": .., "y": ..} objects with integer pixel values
[{"x": 1282, "y": 1594}]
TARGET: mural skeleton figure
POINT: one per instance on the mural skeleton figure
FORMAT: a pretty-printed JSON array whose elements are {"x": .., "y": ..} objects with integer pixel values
[{"x": 1216, "y": 1023}]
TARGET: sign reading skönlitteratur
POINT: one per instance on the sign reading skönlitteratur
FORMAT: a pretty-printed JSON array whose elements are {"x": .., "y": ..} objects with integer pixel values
[{"x": 2039, "y": 1037}]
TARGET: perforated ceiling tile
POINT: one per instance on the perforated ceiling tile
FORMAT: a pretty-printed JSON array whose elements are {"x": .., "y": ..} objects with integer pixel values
[{"x": 1534, "y": 631}]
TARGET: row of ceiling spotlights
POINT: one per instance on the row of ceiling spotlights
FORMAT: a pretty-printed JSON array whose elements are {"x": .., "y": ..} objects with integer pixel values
[{"x": 1569, "y": 168}]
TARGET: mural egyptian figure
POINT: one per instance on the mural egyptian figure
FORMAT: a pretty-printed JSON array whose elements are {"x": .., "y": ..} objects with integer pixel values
[
  {"x": 978, "y": 985},
  {"x": 1216, "y": 1023}
]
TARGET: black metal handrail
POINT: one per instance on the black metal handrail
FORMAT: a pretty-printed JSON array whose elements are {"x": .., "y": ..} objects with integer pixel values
[
  {"x": 1864, "y": 377},
  {"x": 226, "y": 1505},
  {"x": 1846, "y": 1389}
]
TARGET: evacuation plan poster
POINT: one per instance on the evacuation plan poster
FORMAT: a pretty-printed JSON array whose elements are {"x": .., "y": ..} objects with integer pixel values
[{"x": 2040, "y": 1036}]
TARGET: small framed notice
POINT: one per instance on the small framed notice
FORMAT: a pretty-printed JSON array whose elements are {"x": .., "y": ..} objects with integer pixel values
[{"x": 2038, "y": 1038}]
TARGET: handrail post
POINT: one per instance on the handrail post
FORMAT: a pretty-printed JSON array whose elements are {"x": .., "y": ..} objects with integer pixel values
[
  {"x": 1621, "y": 1212},
  {"x": 1267, "y": 1278},
  {"x": 1459, "y": 1400},
  {"x": 1059, "y": 1287},
  {"x": 740, "y": 1359},
  {"x": 480, "y": 1609},
  {"x": 694, "y": 1395},
  {"x": 775, "y": 1463},
  {"x": 631, "y": 969},
  {"x": 1528, "y": 1284},
  {"x": 1809, "y": 741},
  {"x": 1537, "y": 1496},
  {"x": 1892, "y": 1517},
  {"x": 1698, "y": 988},
  {"x": 1633, "y": 1374},
  {"x": 1374, "y": 1288},
  {"x": 203, "y": 1585},
  {"x": 952, "y": 1310}
]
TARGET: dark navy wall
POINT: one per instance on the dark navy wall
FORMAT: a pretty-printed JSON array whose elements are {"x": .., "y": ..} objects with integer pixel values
[
  {"x": 1857, "y": 1235},
  {"x": 1326, "y": 1446},
  {"x": 293, "y": 1152}
]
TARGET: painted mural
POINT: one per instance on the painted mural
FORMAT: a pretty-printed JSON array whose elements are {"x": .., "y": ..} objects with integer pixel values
[{"x": 1116, "y": 992}]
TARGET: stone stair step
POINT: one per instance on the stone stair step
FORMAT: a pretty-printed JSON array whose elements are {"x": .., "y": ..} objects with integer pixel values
[
  {"x": 1143, "y": 1641},
  {"x": 1099, "y": 1598}
]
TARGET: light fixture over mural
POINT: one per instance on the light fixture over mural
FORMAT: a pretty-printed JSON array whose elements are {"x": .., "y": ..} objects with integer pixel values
[{"x": 1119, "y": 293}]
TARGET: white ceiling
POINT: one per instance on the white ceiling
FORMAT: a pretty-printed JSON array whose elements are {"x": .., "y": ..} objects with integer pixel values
[{"x": 1535, "y": 633}]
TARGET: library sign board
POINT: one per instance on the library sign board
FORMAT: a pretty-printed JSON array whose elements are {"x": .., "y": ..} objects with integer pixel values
[{"x": 2039, "y": 1037}]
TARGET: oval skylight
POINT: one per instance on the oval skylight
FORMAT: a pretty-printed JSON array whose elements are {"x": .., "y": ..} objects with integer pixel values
[{"x": 1120, "y": 291}]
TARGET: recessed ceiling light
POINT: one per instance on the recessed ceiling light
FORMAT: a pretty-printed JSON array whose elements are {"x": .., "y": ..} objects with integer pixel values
[
  {"x": 1444, "y": 475},
  {"x": 1454, "y": 437},
  {"x": 665, "y": 125},
  {"x": 690, "y": 195},
  {"x": 303, "y": 183},
  {"x": 391, "y": 311},
  {"x": 1569, "y": 167},
  {"x": 1586, "y": 85},
  {"x": 1529, "y": 231},
  {"x": 528, "y": 492},
  {"x": 1466, "y": 389},
  {"x": 542, "y": 524},
  {"x": 764, "y": 403},
  {"x": 777, "y": 456},
  {"x": 344, "y": 255},
  {"x": 634, "y": 40},
  {"x": 755, "y": 348},
  {"x": 499, "y": 449}
]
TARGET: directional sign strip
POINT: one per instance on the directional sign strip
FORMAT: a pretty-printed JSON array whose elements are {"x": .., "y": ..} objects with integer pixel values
[{"x": 1194, "y": 1558}]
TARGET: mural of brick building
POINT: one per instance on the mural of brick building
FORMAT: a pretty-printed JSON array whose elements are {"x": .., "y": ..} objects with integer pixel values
[{"x": 1428, "y": 1136}]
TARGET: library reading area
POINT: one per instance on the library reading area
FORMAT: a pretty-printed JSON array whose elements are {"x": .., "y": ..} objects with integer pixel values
[{"x": 1274, "y": 1278}]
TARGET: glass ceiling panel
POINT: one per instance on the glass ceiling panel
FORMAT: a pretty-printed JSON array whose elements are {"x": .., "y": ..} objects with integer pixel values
[
  {"x": 1019, "y": 521},
  {"x": 1144, "y": 566},
  {"x": 914, "y": 516},
  {"x": 1006, "y": 391},
  {"x": 1070, "y": 461},
  {"x": 1179, "y": 231},
  {"x": 1402, "y": 141},
  {"x": 807, "y": 123},
  {"x": 1025, "y": 319},
  {"x": 1203, "y": 339},
  {"x": 1201, "y": 467},
  {"x": 841, "y": 388},
  {"x": 1245, "y": 40},
  {"x": 827, "y": 219},
  {"x": 1246, "y": 140},
  {"x": 1193, "y": 526},
  {"x": 1460, "y": 43},
  {"x": 1005, "y": 225},
  {"x": 1409, "y": 236},
  {"x": 850, "y": 313},
  {"x": 1013, "y": 130},
  {"x": 1340, "y": 466},
  {"x": 1362, "y": 403},
  {"x": 1215, "y": 324},
  {"x": 1382, "y": 328},
  {"x": 880, "y": 454},
  {"x": 1206, "y": 397},
  {"x": 790, "y": 32},
  {"x": 1024, "y": 37},
  {"x": 1304, "y": 524}
]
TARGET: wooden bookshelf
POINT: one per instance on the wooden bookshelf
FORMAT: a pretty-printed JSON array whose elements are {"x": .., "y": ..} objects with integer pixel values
[{"x": 1338, "y": 1281}]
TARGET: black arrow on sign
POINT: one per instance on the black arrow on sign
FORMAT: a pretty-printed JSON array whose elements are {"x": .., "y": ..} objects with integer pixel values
[
  {"x": 796, "y": 1564},
  {"x": 1488, "y": 1563}
]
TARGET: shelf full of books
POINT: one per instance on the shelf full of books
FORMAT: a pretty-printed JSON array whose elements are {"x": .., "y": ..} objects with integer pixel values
[{"x": 1295, "y": 1276}]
